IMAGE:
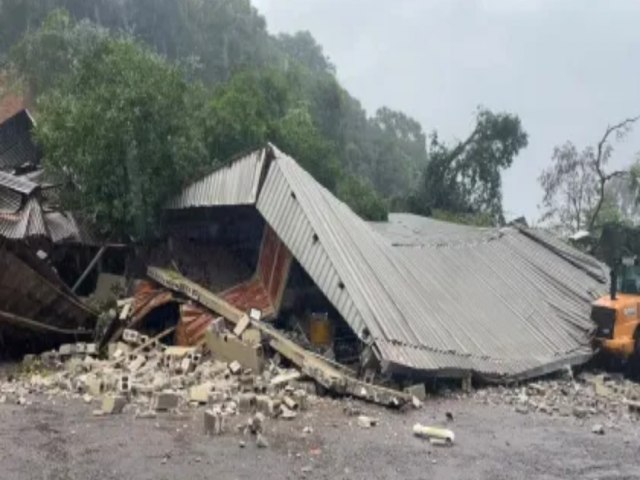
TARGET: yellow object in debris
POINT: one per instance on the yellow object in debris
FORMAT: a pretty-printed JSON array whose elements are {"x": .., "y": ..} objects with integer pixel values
[
  {"x": 443, "y": 434},
  {"x": 319, "y": 329}
]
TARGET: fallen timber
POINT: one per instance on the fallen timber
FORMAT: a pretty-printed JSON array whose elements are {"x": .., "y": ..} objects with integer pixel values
[{"x": 322, "y": 371}]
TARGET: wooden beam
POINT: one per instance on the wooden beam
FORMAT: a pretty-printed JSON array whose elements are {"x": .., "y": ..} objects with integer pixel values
[
  {"x": 30, "y": 324},
  {"x": 329, "y": 376}
]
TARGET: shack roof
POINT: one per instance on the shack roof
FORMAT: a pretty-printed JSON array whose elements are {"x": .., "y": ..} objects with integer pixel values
[
  {"x": 17, "y": 147},
  {"x": 435, "y": 297}
]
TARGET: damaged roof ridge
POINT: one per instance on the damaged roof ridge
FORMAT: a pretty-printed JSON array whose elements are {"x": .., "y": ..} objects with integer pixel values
[{"x": 348, "y": 273}]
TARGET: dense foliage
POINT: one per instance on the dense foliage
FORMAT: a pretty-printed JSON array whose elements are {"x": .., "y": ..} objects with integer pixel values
[
  {"x": 120, "y": 136},
  {"x": 465, "y": 178},
  {"x": 252, "y": 87}
]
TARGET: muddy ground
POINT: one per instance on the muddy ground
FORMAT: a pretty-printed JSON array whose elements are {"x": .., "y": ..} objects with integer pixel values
[{"x": 61, "y": 440}]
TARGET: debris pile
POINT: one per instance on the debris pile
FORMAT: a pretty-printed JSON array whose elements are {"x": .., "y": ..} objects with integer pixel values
[
  {"x": 584, "y": 396},
  {"x": 144, "y": 376}
]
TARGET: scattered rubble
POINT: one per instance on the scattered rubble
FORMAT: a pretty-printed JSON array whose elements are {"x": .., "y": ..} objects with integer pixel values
[
  {"x": 367, "y": 422},
  {"x": 583, "y": 396},
  {"x": 148, "y": 378}
]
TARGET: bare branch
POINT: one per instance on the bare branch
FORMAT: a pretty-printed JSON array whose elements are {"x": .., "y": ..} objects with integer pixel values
[
  {"x": 626, "y": 123},
  {"x": 617, "y": 173},
  {"x": 604, "y": 178}
]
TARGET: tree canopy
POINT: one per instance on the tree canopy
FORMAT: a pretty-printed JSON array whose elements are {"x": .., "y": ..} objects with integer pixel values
[
  {"x": 119, "y": 134},
  {"x": 465, "y": 178},
  {"x": 251, "y": 87}
]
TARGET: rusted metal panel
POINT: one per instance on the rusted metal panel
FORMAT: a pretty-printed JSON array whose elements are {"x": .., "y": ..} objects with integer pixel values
[
  {"x": 147, "y": 298},
  {"x": 250, "y": 294},
  {"x": 194, "y": 321},
  {"x": 264, "y": 291}
]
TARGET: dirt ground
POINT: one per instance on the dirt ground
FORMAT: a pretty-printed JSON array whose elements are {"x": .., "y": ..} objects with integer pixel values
[{"x": 61, "y": 440}]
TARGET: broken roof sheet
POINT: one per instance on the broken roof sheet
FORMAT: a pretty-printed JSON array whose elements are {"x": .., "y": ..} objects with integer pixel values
[
  {"x": 26, "y": 223},
  {"x": 17, "y": 147},
  {"x": 16, "y": 183},
  {"x": 436, "y": 297},
  {"x": 234, "y": 184}
]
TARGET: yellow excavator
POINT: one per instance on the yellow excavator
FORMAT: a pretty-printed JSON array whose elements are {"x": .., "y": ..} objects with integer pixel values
[{"x": 617, "y": 315}]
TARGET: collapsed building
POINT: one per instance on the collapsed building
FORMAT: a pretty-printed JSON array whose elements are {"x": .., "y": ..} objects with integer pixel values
[
  {"x": 37, "y": 308},
  {"x": 428, "y": 298},
  {"x": 409, "y": 298}
]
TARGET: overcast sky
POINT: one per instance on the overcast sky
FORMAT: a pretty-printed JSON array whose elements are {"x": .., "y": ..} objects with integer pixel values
[{"x": 567, "y": 68}]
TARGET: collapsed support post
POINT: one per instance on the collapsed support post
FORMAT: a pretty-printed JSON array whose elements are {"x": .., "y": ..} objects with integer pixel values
[{"x": 89, "y": 268}]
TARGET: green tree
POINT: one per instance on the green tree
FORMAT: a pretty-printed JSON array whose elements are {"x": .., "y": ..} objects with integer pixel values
[
  {"x": 242, "y": 113},
  {"x": 121, "y": 132},
  {"x": 44, "y": 57},
  {"x": 301, "y": 47},
  {"x": 362, "y": 198},
  {"x": 465, "y": 178}
]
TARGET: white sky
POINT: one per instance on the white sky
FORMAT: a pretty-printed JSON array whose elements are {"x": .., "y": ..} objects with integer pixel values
[{"x": 567, "y": 68}]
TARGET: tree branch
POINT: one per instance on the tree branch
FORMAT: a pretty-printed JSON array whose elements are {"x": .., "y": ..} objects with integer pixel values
[
  {"x": 604, "y": 178},
  {"x": 610, "y": 129}
]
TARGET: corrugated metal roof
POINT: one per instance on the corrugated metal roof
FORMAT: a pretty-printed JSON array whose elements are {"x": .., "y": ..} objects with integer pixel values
[
  {"x": 62, "y": 227},
  {"x": 434, "y": 296},
  {"x": 26, "y": 223},
  {"x": 17, "y": 183},
  {"x": 17, "y": 147},
  {"x": 234, "y": 184},
  {"x": 10, "y": 200}
]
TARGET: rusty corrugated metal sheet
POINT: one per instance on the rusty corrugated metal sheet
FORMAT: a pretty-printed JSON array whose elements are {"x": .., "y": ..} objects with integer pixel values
[
  {"x": 264, "y": 290},
  {"x": 194, "y": 321},
  {"x": 234, "y": 184}
]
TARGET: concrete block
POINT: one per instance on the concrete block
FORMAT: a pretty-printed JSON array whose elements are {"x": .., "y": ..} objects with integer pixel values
[
  {"x": 124, "y": 384},
  {"x": 214, "y": 422},
  {"x": 252, "y": 336},
  {"x": 80, "y": 348},
  {"x": 136, "y": 363},
  {"x": 285, "y": 378},
  {"x": 216, "y": 397},
  {"x": 290, "y": 403},
  {"x": 67, "y": 349},
  {"x": 246, "y": 402},
  {"x": 185, "y": 365},
  {"x": 200, "y": 393},
  {"x": 287, "y": 413},
  {"x": 265, "y": 405},
  {"x": 166, "y": 400},
  {"x": 92, "y": 349},
  {"x": 256, "y": 423},
  {"x": 228, "y": 347},
  {"x": 235, "y": 367},
  {"x": 131, "y": 336},
  {"x": 113, "y": 404},
  {"x": 93, "y": 385},
  {"x": 246, "y": 382},
  {"x": 302, "y": 398},
  {"x": 418, "y": 390}
]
